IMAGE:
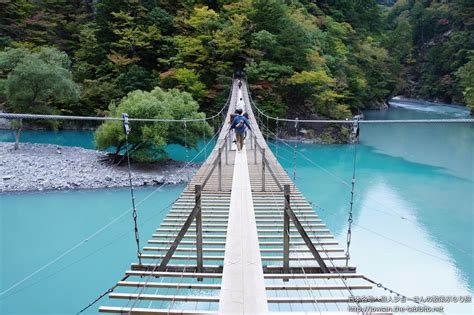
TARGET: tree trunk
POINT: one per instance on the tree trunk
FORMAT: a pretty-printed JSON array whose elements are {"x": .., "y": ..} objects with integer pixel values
[
  {"x": 119, "y": 147},
  {"x": 18, "y": 133},
  {"x": 130, "y": 150}
]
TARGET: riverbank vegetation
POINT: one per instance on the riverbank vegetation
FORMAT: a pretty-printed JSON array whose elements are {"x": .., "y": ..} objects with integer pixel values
[
  {"x": 330, "y": 58},
  {"x": 147, "y": 140},
  {"x": 431, "y": 43}
]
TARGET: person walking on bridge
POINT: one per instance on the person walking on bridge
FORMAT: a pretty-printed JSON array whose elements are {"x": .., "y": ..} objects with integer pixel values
[{"x": 239, "y": 124}]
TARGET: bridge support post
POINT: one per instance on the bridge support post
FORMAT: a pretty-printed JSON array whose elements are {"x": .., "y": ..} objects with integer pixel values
[
  {"x": 199, "y": 260},
  {"x": 195, "y": 213},
  {"x": 303, "y": 234},
  {"x": 263, "y": 169},
  {"x": 227, "y": 140},
  {"x": 251, "y": 139},
  {"x": 219, "y": 170},
  {"x": 255, "y": 150},
  {"x": 286, "y": 233}
]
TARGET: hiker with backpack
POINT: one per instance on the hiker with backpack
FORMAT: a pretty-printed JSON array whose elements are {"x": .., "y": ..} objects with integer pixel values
[{"x": 239, "y": 124}]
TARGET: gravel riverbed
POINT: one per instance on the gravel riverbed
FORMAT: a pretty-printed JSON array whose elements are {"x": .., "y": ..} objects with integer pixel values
[{"x": 38, "y": 167}]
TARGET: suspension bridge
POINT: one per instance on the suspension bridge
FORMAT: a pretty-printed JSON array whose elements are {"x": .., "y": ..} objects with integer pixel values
[{"x": 241, "y": 238}]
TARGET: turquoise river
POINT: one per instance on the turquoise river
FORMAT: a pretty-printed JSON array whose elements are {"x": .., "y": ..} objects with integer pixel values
[{"x": 413, "y": 215}]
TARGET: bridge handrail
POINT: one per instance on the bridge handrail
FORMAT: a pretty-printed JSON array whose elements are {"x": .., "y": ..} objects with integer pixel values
[
  {"x": 266, "y": 161},
  {"x": 222, "y": 141},
  {"x": 262, "y": 147}
]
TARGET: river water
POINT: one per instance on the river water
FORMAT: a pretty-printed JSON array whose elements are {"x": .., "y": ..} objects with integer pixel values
[{"x": 412, "y": 231}]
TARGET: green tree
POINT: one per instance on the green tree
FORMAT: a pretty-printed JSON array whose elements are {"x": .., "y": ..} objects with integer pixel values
[
  {"x": 186, "y": 80},
  {"x": 320, "y": 87},
  {"x": 147, "y": 140},
  {"x": 465, "y": 75},
  {"x": 267, "y": 71},
  {"x": 36, "y": 82}
]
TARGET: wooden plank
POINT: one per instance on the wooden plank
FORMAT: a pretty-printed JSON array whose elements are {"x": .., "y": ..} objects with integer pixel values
[
  {"x": 187, "y": 236},
  {"x": 315, "y": 230},
  {"x": 172, "y": 274},
  {"x": 316, "y": 287},
  {"x": 177, "y": 268},
  {"x": 204, "y": 225},
  {"x": 208, "y": 219},
  {"x": 181, "y": 257},
  {"x": 316, "y": 226},
  {"x": 274, "y": 272},
  {"x": 300, "y": 250},
  {"x": 162, "y": 297},
  {"x": 149, "y": 284},
  {"x": 278, "y": 236},
  {"x": 147, "y": 311},
  {"x": 259, "y": 221},
  {"x": 264, "y": 258},
  {"x": 243, "y": 286},
  {"x": 185, "y": 249},
  {"x": 302, "y": 258},
  {"x": 309, "y": 300},
  {"x": 186, "y": 243},
  {"x": 320, "y": 243},
  {"x": 207, "y": 230},
  {"x": 308, "y": 269}
]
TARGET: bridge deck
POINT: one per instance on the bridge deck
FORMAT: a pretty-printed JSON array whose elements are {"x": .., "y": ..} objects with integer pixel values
[{"x": 243, "y": 262}]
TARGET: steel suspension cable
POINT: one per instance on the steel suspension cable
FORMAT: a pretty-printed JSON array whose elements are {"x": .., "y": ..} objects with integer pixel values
[
  {"x": 204, "y": 136},
  {"x": 379, "y": 285},
  {"x": 97, "y": 118},
  {"x": 276, "y": 138},
  {"x": 350, "y": 217},
  {"x": 332, "y": 262},
  {"x": 126, "y": 129},
  {"x": 397, "y": 214},
  {"x": 186, "y": 145},
  {"x": 295, "y": 151},
  {"x": 267, "y": 129},
  {"x": 375, "y": 121},
  {"x": 351, "y": 204}
]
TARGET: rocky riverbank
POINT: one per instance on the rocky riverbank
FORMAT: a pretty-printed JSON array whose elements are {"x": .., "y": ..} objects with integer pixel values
[{"x": 38, "y": 167}]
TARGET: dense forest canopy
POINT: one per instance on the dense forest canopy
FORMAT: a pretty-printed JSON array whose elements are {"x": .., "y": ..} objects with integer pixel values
[{"x": 328, "y": 57}]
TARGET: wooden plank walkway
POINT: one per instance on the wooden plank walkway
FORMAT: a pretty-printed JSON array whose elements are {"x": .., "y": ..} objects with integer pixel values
[
  {"x": 243, "y": 285},
  {"x": 254, "y": 259}
]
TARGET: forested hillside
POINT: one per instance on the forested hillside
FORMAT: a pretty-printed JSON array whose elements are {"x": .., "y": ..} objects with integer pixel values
[
  {"x": 431, "y": 43},
  {"x": 328, "y": 58}
]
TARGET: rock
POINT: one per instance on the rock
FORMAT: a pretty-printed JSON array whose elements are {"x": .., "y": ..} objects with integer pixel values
[
  {"x": 378, "y": 105},
  {"x": 39, "y": 167}
]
